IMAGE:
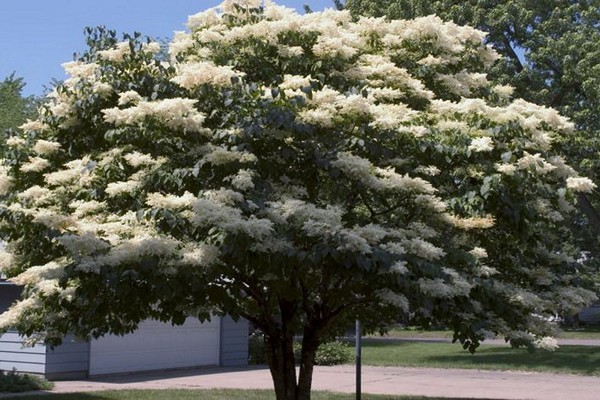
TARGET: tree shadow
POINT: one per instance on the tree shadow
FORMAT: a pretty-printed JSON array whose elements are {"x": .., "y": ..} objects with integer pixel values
[
  {"x": 583, "y": 360},
  {"x": 42, "y": 394},
  {"x": 168, "y": 374}
]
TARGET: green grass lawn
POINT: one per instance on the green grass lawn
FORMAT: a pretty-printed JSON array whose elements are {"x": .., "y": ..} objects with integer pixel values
[
  {"x": 399, "y": 332},
  {"x": 582, "y": 360},
  {"x": 208, "y": 395},
  {"x": 588, "y": 332},
  {"x": 412, "y": 332}
]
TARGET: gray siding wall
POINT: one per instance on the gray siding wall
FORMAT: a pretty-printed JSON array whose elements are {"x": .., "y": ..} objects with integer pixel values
[
  {"x": 23, "y": 359},
  {"x": 590, "y": 315},
  {"x": 12, "y": 352},
  {"x": 234, "y": 342},
  {"x": 70, "y": 360}
]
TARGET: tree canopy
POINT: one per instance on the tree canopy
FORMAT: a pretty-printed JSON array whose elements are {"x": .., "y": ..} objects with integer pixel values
[
  {"x": 299, "y": 171},
  {"x": 549, "y": 50}
]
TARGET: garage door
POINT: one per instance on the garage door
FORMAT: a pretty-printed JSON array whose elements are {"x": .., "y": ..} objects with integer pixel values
[{"x": 156, "y": 345}]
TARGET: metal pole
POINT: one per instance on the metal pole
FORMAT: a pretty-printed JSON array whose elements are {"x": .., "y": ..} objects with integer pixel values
[{"x": 358, "y": 337}]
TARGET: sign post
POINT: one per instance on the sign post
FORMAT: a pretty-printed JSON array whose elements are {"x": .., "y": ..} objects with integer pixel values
[{"x": 358, "y": 338}]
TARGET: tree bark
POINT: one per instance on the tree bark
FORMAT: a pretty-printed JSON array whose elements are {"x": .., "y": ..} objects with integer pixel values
[
  {"x": 310, "y": 344},
  {"x": 282, "y": 362},
  {"x": 280, "y": 356}
]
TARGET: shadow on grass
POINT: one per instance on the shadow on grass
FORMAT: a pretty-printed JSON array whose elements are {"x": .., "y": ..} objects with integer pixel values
[
  {"x": 61, "y": 396},
  {"x": 568, "y": 359}
]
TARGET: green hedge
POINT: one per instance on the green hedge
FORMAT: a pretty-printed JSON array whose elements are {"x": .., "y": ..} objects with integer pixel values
[{"x": 11, "y": 381}]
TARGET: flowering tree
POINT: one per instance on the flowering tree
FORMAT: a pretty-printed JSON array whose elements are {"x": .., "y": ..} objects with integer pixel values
[
  {"x": 295, "y": 170},
  {"x": 549, "y": 50}
]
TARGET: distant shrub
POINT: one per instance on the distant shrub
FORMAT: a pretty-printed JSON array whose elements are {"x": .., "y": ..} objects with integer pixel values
[
  {"x": 331, "y": 353},
  {"x": 12, "y": 381},
  {"x": 256, "y": 349}
]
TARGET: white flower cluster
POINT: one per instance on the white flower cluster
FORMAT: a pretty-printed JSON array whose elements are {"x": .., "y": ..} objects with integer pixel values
[
  {"x": 11, "y": 317},
  {"x": 171, "y": 202},
  {"x": 216, "y": 211},
  {"x": 535, "y": 162},
  {"x": 76, "y": 172},
  {"x": 365, "y": 172},
  {"x": 193, "y": 74},
  {"x": 82, "y": 208},
  {"x": 61, "y": 106},
  {"x": 33, "y": 275},
  {"x": 217, "y": 155},
  {"x": 45, "y": 147},
  {"x": 199, "y": 254},
  {"x": 463, "y": 83},
  {"x": 35, "y": 164},
  {"x": 232, "y": 6},
  {"x": 5, "y": 180},
  {"x": 295, "y": 82},
  {"x": 581, "y": 184},
  {"x": 546, "y": 343},
  {"x": 6, "y": 259},
  {"x": 36, "y": 194},
  {"x": 423, "y": 249},
  {"x": 130, "y": 96},
  {"x": 33, "y": 126},
  {"x": 15, "y": 142},
  {"x": 137, "y": 159},
  {"x": 481, "y": 144},
  {"x": 177, "y": 113},
  {"x": 381, "y": 72},
  {"x": 126, "y": 251},
  {"x": 54, "y": 220},
  {"x": 478, "y": 252},
  {"x": 122, "y": 187},
  {"x": 470, "y": 222},
  {"x": 117, "y": 53},
  {"x": 314, "y": 221},
  {"x": 243, "y": 180}
]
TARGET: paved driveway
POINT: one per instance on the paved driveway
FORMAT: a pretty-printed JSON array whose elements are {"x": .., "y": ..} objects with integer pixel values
[{"x": 382, "y": 380}]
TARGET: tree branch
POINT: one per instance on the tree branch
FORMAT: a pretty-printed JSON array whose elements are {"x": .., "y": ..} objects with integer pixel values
[{"x": 510, "y": 52}]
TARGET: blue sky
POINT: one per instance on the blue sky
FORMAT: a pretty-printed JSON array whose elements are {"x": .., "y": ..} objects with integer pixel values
[{"x": 36, "y": 36}]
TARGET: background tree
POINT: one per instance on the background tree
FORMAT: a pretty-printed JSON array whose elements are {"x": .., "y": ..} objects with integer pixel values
[
  {"x": 549, "y": 50},
  {"x": 297, "y": 171},
  {"x": 14, "y": 108}
]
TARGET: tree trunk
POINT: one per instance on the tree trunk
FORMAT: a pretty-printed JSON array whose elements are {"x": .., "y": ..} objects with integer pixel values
[
  {"x": 310, "y": 344},
  {"x": 591, "y": 213},
  {"x": 280, "y": 356}
]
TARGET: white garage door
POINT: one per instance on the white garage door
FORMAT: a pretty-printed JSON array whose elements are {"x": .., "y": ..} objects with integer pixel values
[{"x": 156, "y": 345}]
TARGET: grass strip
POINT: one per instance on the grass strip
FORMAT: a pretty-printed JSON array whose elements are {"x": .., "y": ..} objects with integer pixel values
[{"x": 581, "y": 360}]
